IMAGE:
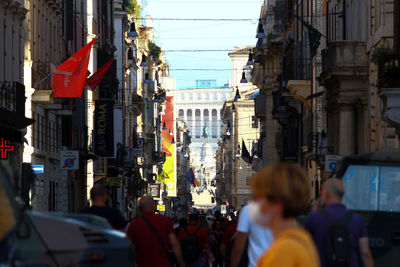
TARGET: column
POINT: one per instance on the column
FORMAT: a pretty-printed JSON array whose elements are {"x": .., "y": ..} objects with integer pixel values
[{"x": 218, "y": 123}]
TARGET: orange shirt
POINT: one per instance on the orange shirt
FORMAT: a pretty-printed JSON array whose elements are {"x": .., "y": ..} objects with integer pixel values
[{"x": 292, "y": 248}]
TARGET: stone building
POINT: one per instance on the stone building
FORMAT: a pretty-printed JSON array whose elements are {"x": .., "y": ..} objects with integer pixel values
[
  {"x": 14, "y": 117},
  {"x": 201, "y": 108},
  {"x": 45, "y": 49},
  {"x": 321, "y": 66},
  {"x": 240, "y": 127}
]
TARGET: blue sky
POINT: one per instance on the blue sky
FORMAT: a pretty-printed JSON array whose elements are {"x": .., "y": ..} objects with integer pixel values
[{"x": 178, "y": 35}]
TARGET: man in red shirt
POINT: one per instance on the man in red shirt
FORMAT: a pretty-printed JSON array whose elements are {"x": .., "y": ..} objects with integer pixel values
[
  {"x": 202, "y": 239},
  {"x": 153, "y": 236}
]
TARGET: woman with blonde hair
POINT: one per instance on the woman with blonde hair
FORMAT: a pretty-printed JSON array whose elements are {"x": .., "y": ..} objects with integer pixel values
[{"x": 281, "y": 193}]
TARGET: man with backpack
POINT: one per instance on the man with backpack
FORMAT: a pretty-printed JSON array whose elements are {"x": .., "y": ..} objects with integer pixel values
[
  {"x": 154, "y": 238},
  {"x": 340, "y": 235},
  {"x": 194, "y": 240}
]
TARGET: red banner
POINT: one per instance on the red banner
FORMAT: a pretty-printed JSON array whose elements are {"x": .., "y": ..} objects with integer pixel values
[
  {"x": 95, "y": 79},
  {"x": 70, "y": 76}
]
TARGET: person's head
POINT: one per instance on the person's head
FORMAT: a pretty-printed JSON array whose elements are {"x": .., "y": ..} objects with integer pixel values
[
  {"x": 146, "y": 204},
  {"x": 98, "y": 195},
  {"x": 217, "y": 214},
  {"x": 280, "y": 192},
  {"x": 332, "y": 192},
  {"x": 193, "y": 219},
  {"x": 183, "y": 222},
  {"x": 232, "y": 216}
]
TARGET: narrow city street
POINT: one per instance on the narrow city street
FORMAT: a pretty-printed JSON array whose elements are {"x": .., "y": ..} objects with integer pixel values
[{"x": 220, "y": 133}]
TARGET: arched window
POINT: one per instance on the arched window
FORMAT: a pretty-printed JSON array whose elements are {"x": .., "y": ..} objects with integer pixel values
[
  {"x": 214, "y": 125},
  {"x": 198, "y": 123},
  {"x": 189, "y": 117}
]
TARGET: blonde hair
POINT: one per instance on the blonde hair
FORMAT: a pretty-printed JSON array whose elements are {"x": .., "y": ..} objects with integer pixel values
[{"x": 285, "y": 183}]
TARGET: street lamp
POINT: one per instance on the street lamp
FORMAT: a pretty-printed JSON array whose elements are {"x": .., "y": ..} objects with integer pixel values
[
  {"x": 233, "y": 108},
  {"x": 260, "y": 31},
  {"x": 250, "y": 62},
  {"x": 170, "y": 132},
  {"x": 146, "y": 78},
  {"x": 237, "y": 96},
  {"x": 228, "y": 133},
  {"x": 243, "y": 80},
  {"x": 164, "y": 127},
  {"x": 144, "y": 61},
  {"x": 173, "y": 140},
  {"x": 133, "y": 33}
]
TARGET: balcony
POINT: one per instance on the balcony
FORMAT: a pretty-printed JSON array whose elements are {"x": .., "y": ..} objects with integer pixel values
[
  {"x": 12, "y": 109},
  {"x": 340, "y": 56}
]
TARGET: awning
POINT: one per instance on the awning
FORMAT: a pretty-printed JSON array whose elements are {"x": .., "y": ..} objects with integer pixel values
[{"x": 253, "y": 96}]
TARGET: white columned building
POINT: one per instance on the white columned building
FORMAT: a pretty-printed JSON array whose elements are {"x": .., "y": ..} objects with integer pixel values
[{"x": 201, "y": 107}]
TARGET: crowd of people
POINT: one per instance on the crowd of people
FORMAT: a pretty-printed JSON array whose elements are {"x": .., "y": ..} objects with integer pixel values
[{"x": 267, "y": 232}]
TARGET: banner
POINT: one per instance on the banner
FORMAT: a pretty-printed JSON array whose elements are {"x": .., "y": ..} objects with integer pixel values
[
  {"x": 70, "y": 76},
  {"x": 103, "y": 138},
  {"x": 95, "y": 79},
  {"x": 168, "y": 147}
]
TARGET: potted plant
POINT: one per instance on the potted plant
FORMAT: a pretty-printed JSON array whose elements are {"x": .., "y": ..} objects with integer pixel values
[{"x": 154, "y": 51}]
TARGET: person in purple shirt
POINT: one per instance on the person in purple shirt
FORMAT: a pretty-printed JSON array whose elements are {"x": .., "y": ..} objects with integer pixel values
[{"x": 331, "y": 202}]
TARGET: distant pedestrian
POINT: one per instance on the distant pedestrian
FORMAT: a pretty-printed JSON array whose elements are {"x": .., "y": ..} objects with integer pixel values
[
  {"x": 194, "y": 240},
  {"x": 153, "y": 236},
  {"x": 216, "y": 240},
  {"x": 228, "y": 240},
  {"x": 99, "y": 196},
  {"x": 335, "y": 222},
  {"x": 281, "y": 194},
  {"x": 250, "y": 242}
]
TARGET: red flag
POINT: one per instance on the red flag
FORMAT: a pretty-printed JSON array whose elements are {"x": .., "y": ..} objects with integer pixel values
[
  {"x": 95, "y": 79},
  {"x": 70, "y": 76}
]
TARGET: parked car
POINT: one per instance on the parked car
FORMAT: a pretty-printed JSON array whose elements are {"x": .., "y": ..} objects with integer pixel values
[
  {"x": 372, "y": 189},
  {"x": 32, "y": 238}
]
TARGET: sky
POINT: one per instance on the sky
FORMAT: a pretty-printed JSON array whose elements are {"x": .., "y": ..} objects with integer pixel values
[{"x": 202, "y": 35}]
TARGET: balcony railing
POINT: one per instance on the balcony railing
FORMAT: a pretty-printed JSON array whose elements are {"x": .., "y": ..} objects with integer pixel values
[
  {"x": 12, "y": 97},
  {"x": 344, "y": 54}
]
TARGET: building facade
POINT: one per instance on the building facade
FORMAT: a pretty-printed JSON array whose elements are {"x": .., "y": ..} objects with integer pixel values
[
  {"x": 240, "y": 130},
  {"x": 14, "y": 117},
  {"x": 201, "y": 108},
  {"x": 322, "y": 67}
]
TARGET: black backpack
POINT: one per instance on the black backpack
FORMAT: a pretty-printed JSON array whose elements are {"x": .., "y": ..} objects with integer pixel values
[
  {"x": 190, "y": 246},
  {"x": 338, "y": 241}
]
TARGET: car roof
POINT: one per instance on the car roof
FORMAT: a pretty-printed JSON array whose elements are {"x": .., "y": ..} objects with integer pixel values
[{"x": 383, "y": 157}]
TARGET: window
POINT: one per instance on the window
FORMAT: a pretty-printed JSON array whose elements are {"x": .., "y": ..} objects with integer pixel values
[
  {"x": 372, "y": 188},
  {"x": 254, "y": 122}
]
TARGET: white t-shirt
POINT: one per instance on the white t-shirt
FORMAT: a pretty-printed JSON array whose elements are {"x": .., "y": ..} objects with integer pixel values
[{"x": 260, "y": 238}]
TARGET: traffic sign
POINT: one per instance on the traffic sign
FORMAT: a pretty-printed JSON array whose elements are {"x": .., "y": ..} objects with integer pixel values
[
  {"x": 69, "y": 159},
  {"x": 331, "y": 161},
  {"x": 223, "y": 209},
  {"x": 38, "y": 168},
  {"x": 161, "y": 207}
]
